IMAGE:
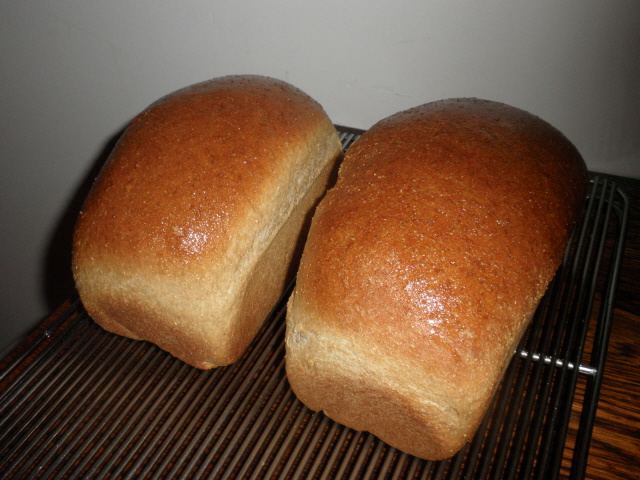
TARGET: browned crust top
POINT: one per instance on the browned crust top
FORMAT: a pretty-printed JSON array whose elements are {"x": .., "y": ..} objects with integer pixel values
[
  {"x": 446, "y": 225},
  {"x": 146, "y": 205}
]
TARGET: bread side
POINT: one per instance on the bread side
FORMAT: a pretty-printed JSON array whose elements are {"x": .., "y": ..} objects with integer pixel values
[
  {"x": 424, "y": 266},
  {"x": 205, "y": 189}
]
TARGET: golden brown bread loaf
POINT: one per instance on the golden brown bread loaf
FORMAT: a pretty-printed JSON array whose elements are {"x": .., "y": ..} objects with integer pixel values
[
  {"x": 187, "y": 237},
  {"x": 424, "y": 266}
]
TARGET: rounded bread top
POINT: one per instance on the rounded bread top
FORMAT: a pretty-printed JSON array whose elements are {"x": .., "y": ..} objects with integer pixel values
[
  {"x": 193, "y": 164},
  {"x": 445, "y": 226}
]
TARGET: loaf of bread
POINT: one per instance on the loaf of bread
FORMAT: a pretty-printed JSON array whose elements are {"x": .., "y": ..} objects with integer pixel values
[
  {"x": 424, "y": 265},
  {"x": 190, "y": 232}
]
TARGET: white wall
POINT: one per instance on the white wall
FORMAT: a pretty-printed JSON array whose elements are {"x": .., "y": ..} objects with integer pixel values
[{"x": 73, "y": 72}]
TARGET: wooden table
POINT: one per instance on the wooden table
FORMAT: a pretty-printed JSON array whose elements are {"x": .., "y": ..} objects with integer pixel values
[{"x": 615, "y": 446}]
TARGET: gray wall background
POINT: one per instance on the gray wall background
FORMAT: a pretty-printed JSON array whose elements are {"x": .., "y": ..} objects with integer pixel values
[{"x": 74, "y": 72}]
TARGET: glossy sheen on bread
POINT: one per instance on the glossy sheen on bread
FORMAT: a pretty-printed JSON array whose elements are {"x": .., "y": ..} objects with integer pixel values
[
  {"x": 190, "y": 232},
  {"x": 424, "y": 266}
]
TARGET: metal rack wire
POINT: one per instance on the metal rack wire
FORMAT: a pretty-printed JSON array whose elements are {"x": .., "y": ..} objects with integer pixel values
[{"x": 78, "y": 402}]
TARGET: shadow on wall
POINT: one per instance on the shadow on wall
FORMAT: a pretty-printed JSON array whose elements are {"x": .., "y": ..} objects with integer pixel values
[{"x": 58, "y": 284}]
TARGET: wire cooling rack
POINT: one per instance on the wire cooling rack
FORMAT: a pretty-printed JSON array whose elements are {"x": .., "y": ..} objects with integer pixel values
[{"x": 79, "y": 402}]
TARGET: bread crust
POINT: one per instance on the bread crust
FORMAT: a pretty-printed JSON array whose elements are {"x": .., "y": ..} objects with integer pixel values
[
  {"x": 206, "y": 187},
  {"x": 424, "y": 266}
]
